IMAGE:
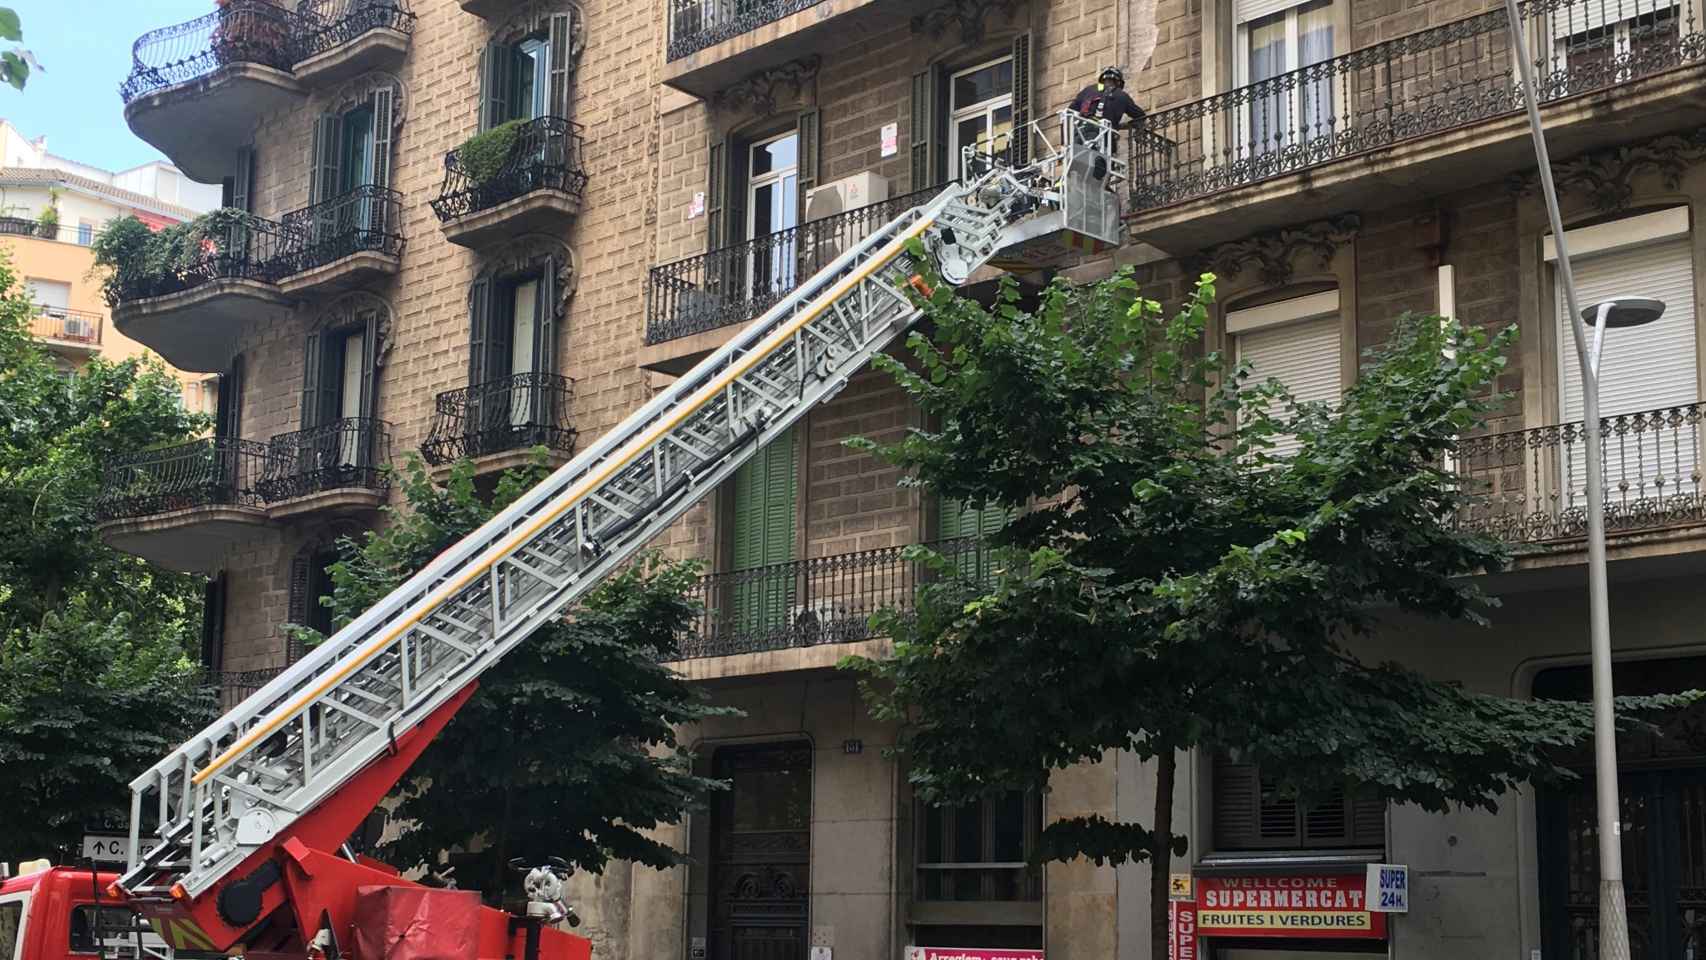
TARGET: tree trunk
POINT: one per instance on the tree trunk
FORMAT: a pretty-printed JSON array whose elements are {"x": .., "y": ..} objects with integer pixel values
[{"x": 1161, "y": 852}]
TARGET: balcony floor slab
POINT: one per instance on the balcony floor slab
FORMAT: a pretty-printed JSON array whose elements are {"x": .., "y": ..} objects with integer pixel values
[
  {"x": 345, "y": 501},
  {"x": 199, "y": 124},
  {"x": 381, "y": 48},
  {"x": 491, "y": 464},
  {"x": 191, "y": 540},
  {"x": 821, "y": 657},
  {"x": 196, "y": 330},
  {"x": 344, "y": 273},
  {"x": 820, "y": 28},
  {"x": 538, "y": 211}
]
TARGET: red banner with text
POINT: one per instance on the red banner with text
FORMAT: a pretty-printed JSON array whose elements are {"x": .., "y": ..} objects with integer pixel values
[{"x": 1286, "y": 906}]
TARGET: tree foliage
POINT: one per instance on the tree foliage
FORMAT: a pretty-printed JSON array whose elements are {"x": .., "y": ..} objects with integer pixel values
[
  {"x": 1181, "y": 580},
  {"x": 97, "y": 670},
  {"x": 569, "y": 746},
  {"x": 17, "y": 61}
]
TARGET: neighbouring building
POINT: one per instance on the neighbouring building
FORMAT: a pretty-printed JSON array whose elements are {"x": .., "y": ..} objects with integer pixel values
[
  {"x": 669, "y": 168},
  {"x": 50, "y": 251}
]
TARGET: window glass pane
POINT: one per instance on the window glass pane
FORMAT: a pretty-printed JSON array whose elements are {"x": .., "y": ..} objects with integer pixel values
[
  {"x": 1267, "y": 47},
  {"x": 1314, "y": 33},
  {"x": 976, "y": 86},
  {"x": 11, "y": 918},
  {"x": 358, "y": 148},
  {"x": 968, "y": 833},
  {"x": 1001, "y": 126},
  {"x": 766, "y": 210},
  {"x": 973, "y": 131},
  {"x": 777, "y": 155},
  {"x": 1007, "y": 828},
  {"x": 531, "y": 64},
  {"x": 771, "y": 800}
]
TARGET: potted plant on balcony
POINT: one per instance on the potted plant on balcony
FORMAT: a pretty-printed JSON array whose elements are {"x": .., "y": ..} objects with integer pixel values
[
  {"x": 47, "y": 222},
  {"x": 483, "y": 155},
  {"x": 248, "y": 31}
]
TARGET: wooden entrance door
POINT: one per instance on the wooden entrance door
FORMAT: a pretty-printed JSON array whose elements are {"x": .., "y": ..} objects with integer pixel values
[{"x": 761, "y": 852}]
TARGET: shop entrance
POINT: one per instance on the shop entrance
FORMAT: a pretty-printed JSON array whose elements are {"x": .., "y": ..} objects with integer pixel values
[{"x": 761, "y": 852}]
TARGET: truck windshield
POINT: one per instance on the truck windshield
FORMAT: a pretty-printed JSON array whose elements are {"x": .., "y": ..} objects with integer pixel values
[
  {"x": 11, "y": 918},
  {"x": 90, "y": 929}
]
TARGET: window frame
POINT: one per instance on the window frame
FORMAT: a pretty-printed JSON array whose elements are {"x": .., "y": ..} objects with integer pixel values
[
  {"x": 1298, "y": 839},
  {"x": 1030, "y": 879},
  {"x": 1293, "y": 61},
  {"x": 986, "y": 108},
  {"x": 15, "y": 949}
]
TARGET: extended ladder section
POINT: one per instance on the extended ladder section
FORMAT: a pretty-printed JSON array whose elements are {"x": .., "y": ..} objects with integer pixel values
[{"x": 234, "y": 786}]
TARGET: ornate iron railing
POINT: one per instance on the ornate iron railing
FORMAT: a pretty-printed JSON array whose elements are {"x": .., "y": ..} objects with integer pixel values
[
  {"x": 327, "y": 24},
  {"x": 343, "y": 454},
  {"x": 822, "y": 600},
  {"x": 240, "y": 31},
  {"x": 514, "y": 413},
  {"x": 734, "y": 284},
  {"x": 547, "y": 155},
  {"x": 61, "y": 323},
  {"x": 1529, "y": 486},
  {"x": 697, "y": 24},
  {"x": 368, "y": 218},
  {"x": 234, "y": 686},
  {"x": 250, "y": 248},
  {"x": 207, "y": 472},
  {"x": 1412, "y": 86}
]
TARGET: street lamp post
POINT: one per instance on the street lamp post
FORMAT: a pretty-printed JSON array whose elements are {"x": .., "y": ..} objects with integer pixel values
[{"x": 1622, "y": 312}]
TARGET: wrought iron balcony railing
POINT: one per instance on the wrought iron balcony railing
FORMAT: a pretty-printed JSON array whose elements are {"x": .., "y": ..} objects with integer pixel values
[
  {"x": 1409, "y": 87},
  {"x": 1529, "y": 486},
  {"x": 823, "y": 600},
  {"x": 368, "y": 218},
  {"x": 234, "y": 686},
  {"x": 697, "y": 24},
  {"x": 213, "y": 471},
  {"x": 547, "y": 155},
  {"x": 62, "y": 323},
  {"x": 734, "y": 284},
  {"x": 327, "y": 24},
  {"x": 240, "y": 31},
  {"x": 345, "y": 454},
  {"x": 514, "y": 413},
  {"x": 250, "y": 248}
]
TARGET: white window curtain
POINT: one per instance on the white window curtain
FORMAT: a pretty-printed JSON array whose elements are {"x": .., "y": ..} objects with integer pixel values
[{"x": 1275, "y": 39}]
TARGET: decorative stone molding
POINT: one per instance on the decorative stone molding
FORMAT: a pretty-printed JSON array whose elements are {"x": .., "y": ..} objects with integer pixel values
[
  {"x": 758, "y": 90},
  {"x": 353, "y": 309},
  {"x": 358, "y": 90},
  {"x": 526, "y": 254},
  {"x": 528, "y": 19},
  {"x": 1607, "y": 177},
  {"x": 1274, "y": 255},
  {"x": 969, "y": 15}
]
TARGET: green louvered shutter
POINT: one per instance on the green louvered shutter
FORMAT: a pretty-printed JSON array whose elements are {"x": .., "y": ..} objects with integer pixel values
[
  {"x": 1020, "y": 142},
  {"x": 926, "y": 170},
  {"x": 765, "y": 492},
  {"x": 956, "y": 520},
  {"x": 560, "y": 36},
  {"x": 807, "y": 129},
  {"x": 497, "y": 83}
]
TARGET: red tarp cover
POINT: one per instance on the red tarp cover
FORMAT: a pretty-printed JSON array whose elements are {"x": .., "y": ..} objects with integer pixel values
[{"x": 416, "y": 923}]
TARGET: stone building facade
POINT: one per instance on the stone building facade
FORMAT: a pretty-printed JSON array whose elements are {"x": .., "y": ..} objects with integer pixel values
[{"x": 668, "y": 169}]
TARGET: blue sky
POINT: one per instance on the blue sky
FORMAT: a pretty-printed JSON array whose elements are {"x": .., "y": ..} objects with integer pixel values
[{"x": 84, "y": 46}]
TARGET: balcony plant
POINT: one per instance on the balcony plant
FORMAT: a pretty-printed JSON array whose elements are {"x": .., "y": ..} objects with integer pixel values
[
  {"x": 484, "y": 154},
  {"x": 140, "y": 261},
  {"x": 47, "y": 222}
]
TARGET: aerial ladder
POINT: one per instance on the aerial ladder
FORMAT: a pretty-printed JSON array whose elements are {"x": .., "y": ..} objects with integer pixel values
[{"x": 235, "y": 837}]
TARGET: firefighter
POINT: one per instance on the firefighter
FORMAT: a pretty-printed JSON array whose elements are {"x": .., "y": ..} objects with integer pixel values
[{"x": 1107, "y": 101}]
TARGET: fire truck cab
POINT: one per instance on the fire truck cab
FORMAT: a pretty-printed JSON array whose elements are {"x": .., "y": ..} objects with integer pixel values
[{"x": 64, "y": 913}]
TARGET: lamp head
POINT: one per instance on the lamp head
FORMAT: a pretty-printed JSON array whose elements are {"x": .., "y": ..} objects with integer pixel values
[{"x": 1626, "y": 311}]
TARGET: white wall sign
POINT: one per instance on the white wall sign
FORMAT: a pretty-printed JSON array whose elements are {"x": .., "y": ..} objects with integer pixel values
[
  {"x": 823, "y": 953},
  {"x": 697, "y": 209},
  {"x": 891, "y": 139},
  {"x": 1388, "y": 888}
]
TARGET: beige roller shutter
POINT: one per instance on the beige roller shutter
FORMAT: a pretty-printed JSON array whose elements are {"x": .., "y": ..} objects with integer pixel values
[{"x": 1303, "y": 355}]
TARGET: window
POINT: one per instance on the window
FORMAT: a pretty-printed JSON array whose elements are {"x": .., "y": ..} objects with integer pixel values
[
  {"x": 1273, "y": 42},
  {"x": 85, "y": 232},
  {"x": 757, "y": 190},
  {"x": 338, "y": 389},
  {"x": 512, "y": 360},
  {"x": 55, "y": 295},
  {"x": 309, "y": 585},
  {"x": 11, "y": 928},
  {"x": 773, "y": 210},
  {"x": 980, "y": 110},
  {"x": 1250, "y": 813},
  {"x": 977, "y": 105},
  {"x": 980, "y": 851},
  {"x": 956, "y": 520},
  {"x": 352, "y": 149},
  {"x": 1295, "y": 341},
  {"x": 92, "y": 926},
  {"x": 765, "y": 496},
  {"x": 1589, "y": 39},
  {"x": 526, "y": 77}
]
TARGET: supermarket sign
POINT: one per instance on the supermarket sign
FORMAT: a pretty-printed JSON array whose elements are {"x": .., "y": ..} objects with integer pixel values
[
  {"x": 1333, "y": 906},
  {"x": 970, "y": 953}
]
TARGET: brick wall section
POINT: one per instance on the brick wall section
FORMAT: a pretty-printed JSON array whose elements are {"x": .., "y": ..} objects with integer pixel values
[
  {"x": 854, "y": 501},
  {"x": 1173, "y": 74},
  {"x": 1375, "y": 20}
]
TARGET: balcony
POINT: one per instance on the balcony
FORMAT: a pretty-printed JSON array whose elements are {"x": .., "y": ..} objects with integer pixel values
[
  {"x": 534, "y": 185},
  {"x": 234, "y": 686},
  {"x": 340, "y": 243},
  {"x": 195, "y": 89},
  {"x": 1528, "y": 487},
  {"x": 192, "y": 312},
  {"x": 497, "y": 424},
  {"x": 694, "y": 305},
  {"x": 1432, "y": 111},
  {"x": 339, "y": 39},
  {"x": 820, "y": 608},
  {"x": 336, "y": 468},
  {"x": 715, "y": 43},
  {"x": 180, "y": 507},
  {"x": 67, "y": 331}
]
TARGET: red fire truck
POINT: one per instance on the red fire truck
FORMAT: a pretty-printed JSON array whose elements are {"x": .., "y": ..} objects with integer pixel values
[{"x": 62, "y": 913}]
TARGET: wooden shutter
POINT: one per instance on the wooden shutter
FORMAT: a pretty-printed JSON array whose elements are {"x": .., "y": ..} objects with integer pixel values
[
  {"x": 1019, "y": 144},
  {"x": 213, "y": 624},
  {"x": 764, "y": 504},
  {"x": 545, "y": 320},
  {"x": 807, "y": 128},
  {"x": 242, "y": 184},
  {"x": 228, "y": 419},
  {"x": 925, "y": 170},
  {"x": 328, "y": 156},
  {"x": 1237, "y": 798},
  {"x": 1368, "y": 822},
  {"x": 738, "y": 160},
  {"x": 384, "y": 99},
  {"x": 301, "y": 594},
  {"x": 479, "y": 329},
  {"x": 560, "y": 34},
  {"x": 1250, "y": 814},
  {"x": 369, "y": 362},
  {"x": 716, "y": 191},
  {"x": 500, "y": 331},
  {"x": 497, "y": 83}
]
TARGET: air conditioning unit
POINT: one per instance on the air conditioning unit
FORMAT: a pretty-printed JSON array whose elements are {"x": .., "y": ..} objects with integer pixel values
[
  {"x": 825, "y": 233},
  {"x": 848, "y": 193},
  {"x": 824, "y": 621},
  {"x": 77, "y": 328}
]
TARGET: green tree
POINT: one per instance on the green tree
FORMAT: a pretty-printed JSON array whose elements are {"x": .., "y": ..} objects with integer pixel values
[
  {"x": 97, "y": 670},
  {"x": 16, "y": 63},
  {"x": 1185, "y": 585},
  {"x": 569, "y": 746}
]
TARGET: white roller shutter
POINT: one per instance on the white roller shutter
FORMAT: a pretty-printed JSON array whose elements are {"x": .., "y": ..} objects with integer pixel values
[
  {"x": 1574, "y": 19},
  {"x": 1243, "y": 11},
  {"x": 1641, "y": 368},
  {"x": 1304, "y": 356}
]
